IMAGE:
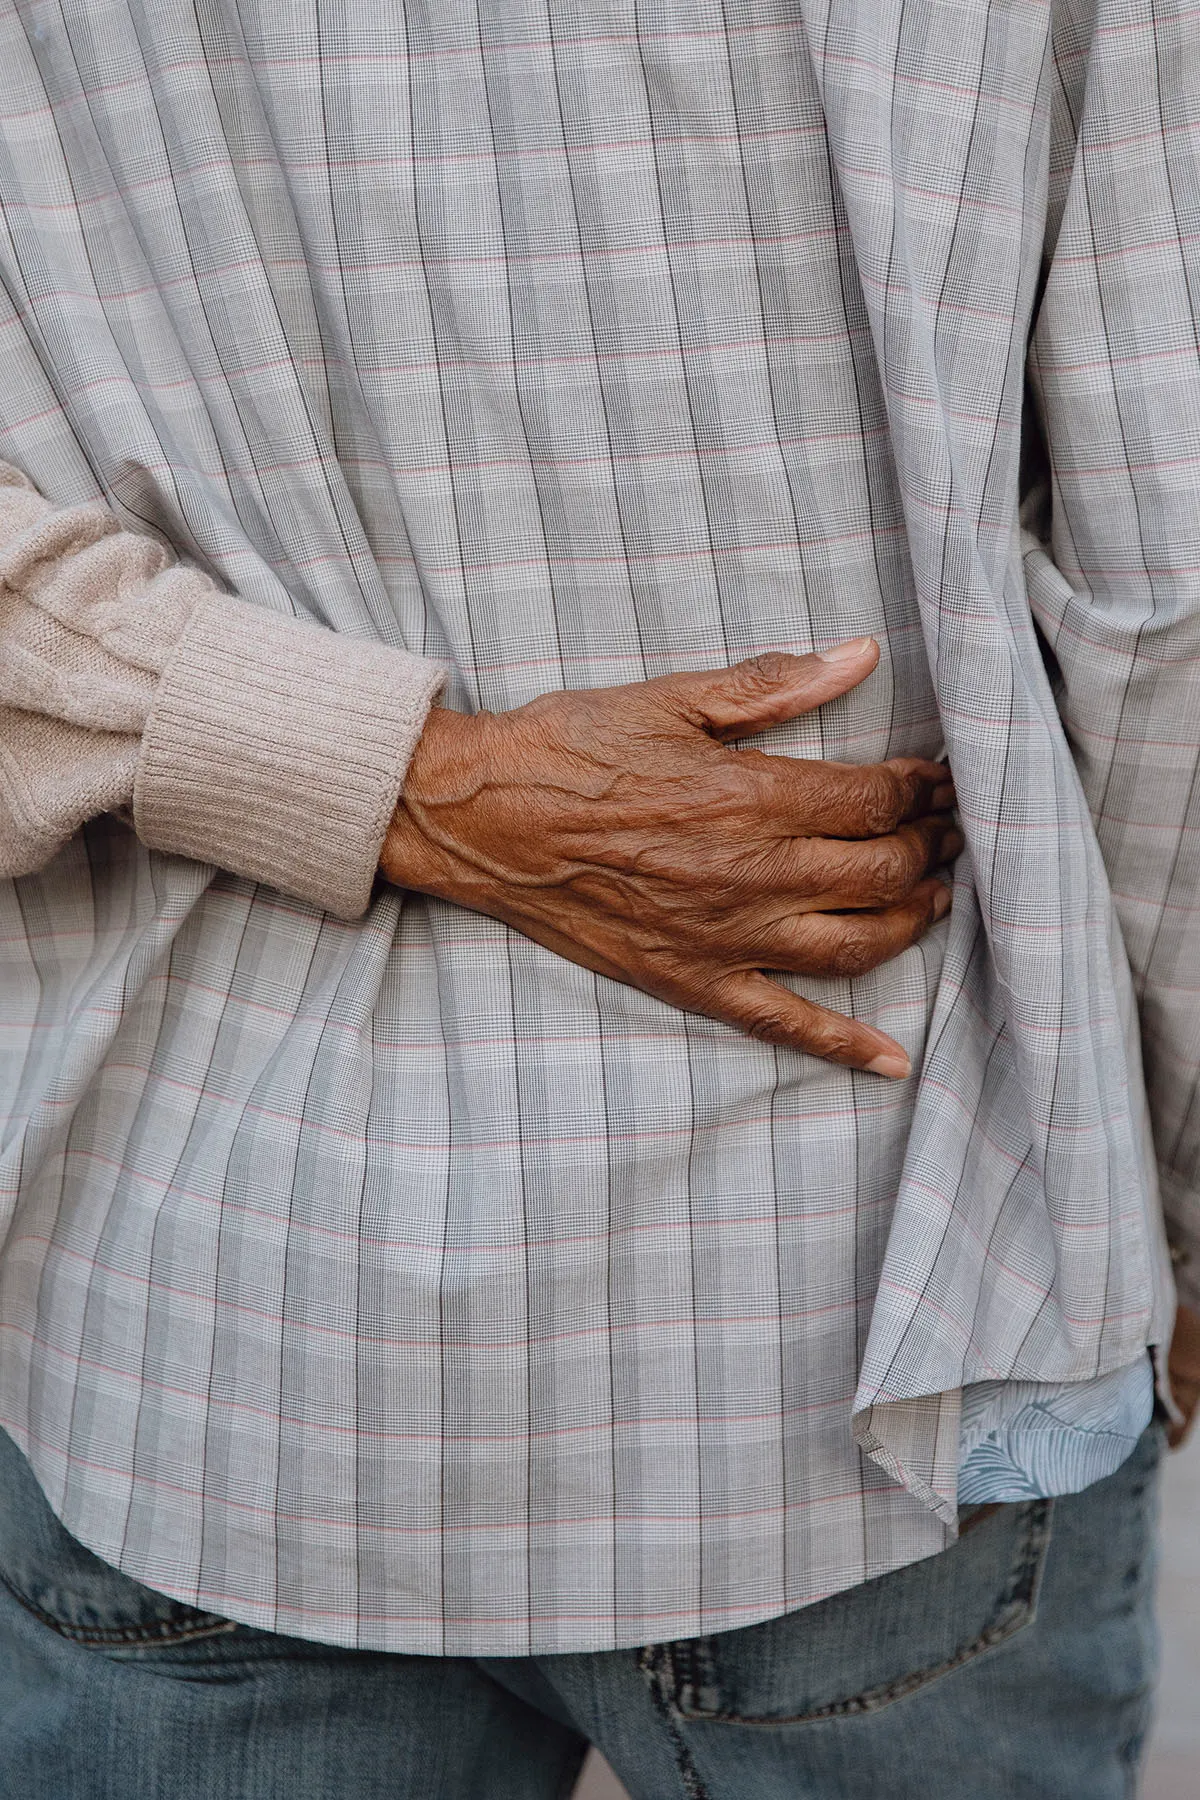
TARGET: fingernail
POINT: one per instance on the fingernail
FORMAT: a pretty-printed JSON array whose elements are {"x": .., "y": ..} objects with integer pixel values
[
  {"x": 893, "y": 1063},
  {"x": 941, "y": 903},
  {"x": 846, "y": 653}
]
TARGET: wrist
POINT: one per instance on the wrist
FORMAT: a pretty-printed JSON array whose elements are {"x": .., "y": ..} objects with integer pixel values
[{"x": 440, "y": 771}]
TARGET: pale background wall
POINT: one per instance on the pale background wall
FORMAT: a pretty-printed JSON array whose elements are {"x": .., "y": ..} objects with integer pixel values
[
  {"x": 1173, "y": 1769},
  {"x": 1173, "y": 1765}
]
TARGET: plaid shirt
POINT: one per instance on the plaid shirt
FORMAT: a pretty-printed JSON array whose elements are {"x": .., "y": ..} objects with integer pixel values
[{"x": 401, "y": 1284}]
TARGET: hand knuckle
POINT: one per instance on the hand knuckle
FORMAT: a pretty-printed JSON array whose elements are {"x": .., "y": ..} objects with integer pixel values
[
  {"x": 767, "y": 670},
  {"x": 890, "y": 871},
  {"x": 835, "y": 1041},
  {"x": 856, "y": 953},
  {"x": 770, "y": 1023},
  {"x": 883, "y": 799}
]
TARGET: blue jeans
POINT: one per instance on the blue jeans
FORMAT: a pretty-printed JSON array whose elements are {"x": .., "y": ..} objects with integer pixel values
[{"x": 1016, "y": 1664}]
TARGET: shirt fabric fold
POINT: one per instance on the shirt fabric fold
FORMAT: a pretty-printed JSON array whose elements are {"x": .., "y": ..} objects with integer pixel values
[{"x": 395, "y": 1282}]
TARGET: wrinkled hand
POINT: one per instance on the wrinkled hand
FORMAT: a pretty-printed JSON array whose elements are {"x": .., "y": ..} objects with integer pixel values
[
  {"x": 1184, "y": 1366},
  {"x": 615, "y": 827}
]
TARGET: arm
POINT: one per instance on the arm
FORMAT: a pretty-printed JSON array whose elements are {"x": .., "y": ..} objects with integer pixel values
[
  {"x": 613, "y": 826},
  {"x": 237, "y": 736},
  {"x": 1114, "y": 564}
]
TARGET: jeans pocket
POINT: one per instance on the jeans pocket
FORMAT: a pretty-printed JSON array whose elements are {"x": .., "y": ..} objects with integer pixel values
[
  {"x": 74, "y": 1592},
  {"x": 872, "y": 1645}
]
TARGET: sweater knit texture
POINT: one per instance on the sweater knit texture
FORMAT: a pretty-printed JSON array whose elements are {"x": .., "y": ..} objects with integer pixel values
[{"x": 238, "y": 737}]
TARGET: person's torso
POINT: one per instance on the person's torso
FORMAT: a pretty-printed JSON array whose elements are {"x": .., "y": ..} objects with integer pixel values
[{"x": 531, "y": 337}]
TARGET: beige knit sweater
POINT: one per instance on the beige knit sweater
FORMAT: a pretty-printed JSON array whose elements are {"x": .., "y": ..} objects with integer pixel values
[{"x": 230, "y": 734}]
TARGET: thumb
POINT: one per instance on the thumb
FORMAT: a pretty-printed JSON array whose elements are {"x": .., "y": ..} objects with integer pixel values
[{"x": 766, "y": 690}]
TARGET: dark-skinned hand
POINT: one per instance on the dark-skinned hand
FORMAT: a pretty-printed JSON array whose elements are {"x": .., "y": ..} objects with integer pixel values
[
  {"x": 1184, "y": 1367},
  {"x": 617, "y": 827}
]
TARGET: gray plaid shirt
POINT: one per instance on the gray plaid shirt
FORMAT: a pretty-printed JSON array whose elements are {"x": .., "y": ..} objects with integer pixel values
[{"x": 401, "y": 1284}]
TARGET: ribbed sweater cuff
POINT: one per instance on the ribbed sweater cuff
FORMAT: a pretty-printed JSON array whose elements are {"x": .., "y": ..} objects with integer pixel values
[{"x": 277, "y": 750}]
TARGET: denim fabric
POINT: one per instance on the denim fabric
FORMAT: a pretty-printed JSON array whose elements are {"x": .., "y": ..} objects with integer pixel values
[{"x": 1016, "y": 1665}]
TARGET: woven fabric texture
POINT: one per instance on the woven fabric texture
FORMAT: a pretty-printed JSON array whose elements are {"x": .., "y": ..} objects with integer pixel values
[{"x": 397, "y": 1283}]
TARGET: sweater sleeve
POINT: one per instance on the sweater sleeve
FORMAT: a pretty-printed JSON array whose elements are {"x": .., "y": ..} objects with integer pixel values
[{"x": 239, "y": 737}]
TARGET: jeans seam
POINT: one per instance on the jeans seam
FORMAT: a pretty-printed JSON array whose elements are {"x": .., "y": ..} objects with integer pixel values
[
  {"x": 656, "y": 1662},
  {"x": 105, "y": 1637}
]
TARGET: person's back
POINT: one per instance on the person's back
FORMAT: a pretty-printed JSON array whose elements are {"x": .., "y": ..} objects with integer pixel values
[{"x": 411, "y": 1285}]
